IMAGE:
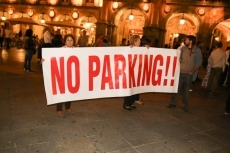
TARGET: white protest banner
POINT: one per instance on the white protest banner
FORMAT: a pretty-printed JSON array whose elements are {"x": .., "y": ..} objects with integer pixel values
[{"x": 98, "y": 72}]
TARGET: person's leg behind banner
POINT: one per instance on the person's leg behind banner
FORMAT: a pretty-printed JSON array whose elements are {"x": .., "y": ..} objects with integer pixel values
[
  {"x": 67, "y": 107},
  {"x": 187, "y": 84},
  {"x": 175, "y": 95}
]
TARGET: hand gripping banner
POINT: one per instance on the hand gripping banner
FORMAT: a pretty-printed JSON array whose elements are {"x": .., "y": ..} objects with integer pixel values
[{"x": 98, "y": 72}]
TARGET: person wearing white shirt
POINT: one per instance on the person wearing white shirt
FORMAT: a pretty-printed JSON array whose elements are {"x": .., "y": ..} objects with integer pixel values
[
  {"x": 217, "y": 61},
  {"x": 47, "y": 38},
  {"x": 2, "y": 33}
]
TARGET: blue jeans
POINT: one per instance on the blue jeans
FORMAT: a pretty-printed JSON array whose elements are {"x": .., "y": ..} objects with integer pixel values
[
  {"x": 185, "y": 80},
  {"x": 28, "y": 58},
  {"x": 214, "y": 78}
]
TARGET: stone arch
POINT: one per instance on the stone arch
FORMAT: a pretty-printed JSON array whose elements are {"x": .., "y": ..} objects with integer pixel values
[
  {"x": 90, "y": 30},
  {"x": 125, "y": 27},
  {"x": 175, "y": 32},
  {"x": 62, "y": 17},
  {"x": 116, "y": 16},
  {"x": 179, "y": 11},
  {"x": 83, "y": 19},
  {"x": 37, "y": 17},
  {"x": 221, "y": 32}
]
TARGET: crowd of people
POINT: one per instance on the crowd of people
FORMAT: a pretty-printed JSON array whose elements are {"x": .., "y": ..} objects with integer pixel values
[{"x": 216, "y": 61}]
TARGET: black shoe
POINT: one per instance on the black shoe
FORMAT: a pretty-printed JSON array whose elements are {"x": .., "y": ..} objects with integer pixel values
[
  {"x": 133, "y": 107},
  {"x": 185, "y": 109},
  {"x": 227, "y": 113},
  {"x": 198, "y": 79},
  {"x": 208, "y": 90},
  {"x": 127, "y": 107},
  {"x": 171, "y": 106},
  {"x": 215, "y": 92}
]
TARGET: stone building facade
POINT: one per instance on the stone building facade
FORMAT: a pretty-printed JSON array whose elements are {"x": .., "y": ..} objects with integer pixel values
[{"x": 209, "y": 20}]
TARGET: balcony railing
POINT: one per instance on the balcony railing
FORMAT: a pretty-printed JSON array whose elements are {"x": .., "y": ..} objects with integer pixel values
[
  {"x": 46, "y": 2},
  {"x": 199, "y": 2}
]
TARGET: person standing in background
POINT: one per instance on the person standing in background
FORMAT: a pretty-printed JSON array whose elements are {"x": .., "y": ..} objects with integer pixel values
[
  {"x": 99, "y": 42},
  {"x": 83, "y": 40},
  {"x": 217, "y": 61},
  {"x": 106, "y": 42},
  {"x": 8, "y": 34},
  {"x": 123, "y": 42},
  {"x": 47, "y": 38},
  {"x": 2, "y": 34},
  {"x": 29, "y": 48}
]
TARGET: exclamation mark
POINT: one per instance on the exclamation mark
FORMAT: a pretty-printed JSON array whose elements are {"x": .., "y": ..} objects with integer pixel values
[
  {"x": 167, "y": 68},
  {"x": 174, "y": 69}
]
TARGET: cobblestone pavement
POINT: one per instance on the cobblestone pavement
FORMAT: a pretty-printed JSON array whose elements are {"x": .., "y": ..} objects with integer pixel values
[{"x": 28, "y": 125}]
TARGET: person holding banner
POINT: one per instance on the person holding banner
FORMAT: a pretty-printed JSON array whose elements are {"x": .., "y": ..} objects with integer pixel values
[
  {"x": 129, "y": 100},
  {"x": 69, "y": 42},
  {"x": 190, "y": 61}
]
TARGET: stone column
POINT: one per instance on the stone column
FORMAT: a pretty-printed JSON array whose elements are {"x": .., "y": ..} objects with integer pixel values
[
  {"x": 114, "y": 36},
  {"x": 101, "y": 28}
]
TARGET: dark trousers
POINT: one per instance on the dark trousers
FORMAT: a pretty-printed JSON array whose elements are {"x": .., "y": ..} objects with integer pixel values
[
  {"x": 224, "y": 75},
  {"x": 136, "y": 97},
  {"x": 8, "y": 40},
  {"x": 47, "y": 45},
  {"x": 129, "y": 100},
  {"x": 1, "y": 41},
  {"x": 28, "y": 58},
  {"x": 227, "y": 109},
  {"x": 67, "y": 106},
  {"x": 214, "y": 78},
  {"x": 185, "y": 80}
]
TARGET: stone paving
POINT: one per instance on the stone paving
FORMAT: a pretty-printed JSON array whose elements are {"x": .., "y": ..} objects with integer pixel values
[{"x": 28, "y": 125}]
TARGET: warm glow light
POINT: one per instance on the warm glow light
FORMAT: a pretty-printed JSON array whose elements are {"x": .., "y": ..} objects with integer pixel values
[
  {"x": 217, "y": 38},
  {"x": 87, "y": 25},
  {"x": 51, "y": 13},
  {"x": 30, "y": 12},
  {"x": 115, "y": 5},
  {"x": 98, "y": 3},
  {"x": 11, "y": 11},
  {"x": 3, "y": 18},
  {"x": 75, "y": 15},
  {"x": 77, "y": 2},
  {"x": 43, "y": 21},
  {"x": 182, "y": 21},
  {"x": 92, "y": 29},
  {"x": 31, "y": 1},
  {"x": 131, "y": 16},
  {"x": 53, "y": 2},
  {"x": 176, "y": 35},
  {"x": 146, "y": 7}
]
